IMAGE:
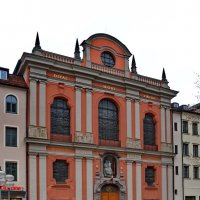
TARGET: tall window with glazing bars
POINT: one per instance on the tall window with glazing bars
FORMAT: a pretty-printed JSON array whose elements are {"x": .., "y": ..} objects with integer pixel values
[
  {"x": 108, "y": 120},
  {"x": 60, "y": 117},
  {"x": 149, "y": 130}
]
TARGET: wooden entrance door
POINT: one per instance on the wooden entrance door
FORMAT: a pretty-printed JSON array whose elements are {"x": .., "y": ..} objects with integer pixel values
[
  {"x": 110, "y": 192},
  {"x": 109, "y": 196}
]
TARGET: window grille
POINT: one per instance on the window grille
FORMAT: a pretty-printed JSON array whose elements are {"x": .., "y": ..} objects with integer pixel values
[
  {"x": 60, "y": 171},
  {"x": 60, "y": 117},
  {"x": 149, "y": 130},
  {"x": 150, "y": 176},
  {"x": 108, "y": 120}
]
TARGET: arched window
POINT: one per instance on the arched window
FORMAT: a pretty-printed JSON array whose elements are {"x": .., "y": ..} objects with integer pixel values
[
  {"x": 60, "y": 117},
  {"x": 149, "y": 130},
  {"x": 108, "y": 120},
  {"x": 11, "y": 104}
]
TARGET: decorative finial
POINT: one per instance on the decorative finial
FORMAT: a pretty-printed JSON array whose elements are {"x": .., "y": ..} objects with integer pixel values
[
  {"x": 164, "y": 76},
  {"x": 133, "y": 66},
  {"x": 77, "y": 51},
  {"x": 37, "y": 42}
]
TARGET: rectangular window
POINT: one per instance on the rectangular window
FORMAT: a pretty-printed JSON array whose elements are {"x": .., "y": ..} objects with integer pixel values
[
  {"x": 3, "y": 75},
  {"x": 176, "y": 149},
  {"x": 185, "y": 127},
  {"x": 186, "y": 171},
  {"x": 195, "y": 150},
  {"x": 196, "y": 172},
  {"x": 175, "y": 126},
  {"x": 11, "y": 136},
  {"x": 185, "y": 149},
  {"x": 190, "y": 198},
  {"x": 176, "y": 170},
  {"x": 60, "y": 171},
  {"x": 11, "y": 168},
  {"x": 194, "y": 128},
  {"x": 149, "y": 176}
]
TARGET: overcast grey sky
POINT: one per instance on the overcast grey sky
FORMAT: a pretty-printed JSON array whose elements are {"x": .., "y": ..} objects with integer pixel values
[{"x": 160, "y": 33}]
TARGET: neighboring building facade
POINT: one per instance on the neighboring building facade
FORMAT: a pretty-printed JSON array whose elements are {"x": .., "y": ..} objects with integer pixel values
[
  {"x": 188, "y": 121},
  {"x": 13, "y": 90},
  {"x": 96, "y": 129},
  {"x": 178, "y": 159}
]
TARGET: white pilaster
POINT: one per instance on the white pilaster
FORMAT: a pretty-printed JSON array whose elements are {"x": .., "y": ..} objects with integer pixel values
[
  {"x": 32, "y": 177},
  {"x": 33, "y": 102},
  {"x": 78, "y": 179},
  {"x": 138, "y": 181},
  {"x": 78, "y": 109},
  {"x": 168, "y": 125},
  {"x": 88, "y": 111},
  {"x": 130, "y": 180},
  {"x": 88, "y": 62},
  {"x": 162, "y": 113},
  {"x": 42, "y": 178},
  {"x": 129, "y": 117},
  {"x": 137, "y": 119},
  {"x": 89, "y": 179},
  {"x": 170, "y": 182},
  {"x": 42, "y": 104},
  {"x": 164, "y": 182}
]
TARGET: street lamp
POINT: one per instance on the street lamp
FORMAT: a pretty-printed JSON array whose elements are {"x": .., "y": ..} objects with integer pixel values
[{"x": 6, "y": 180}]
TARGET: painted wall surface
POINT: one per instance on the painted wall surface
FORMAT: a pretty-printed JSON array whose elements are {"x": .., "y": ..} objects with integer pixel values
[
  {"x": 191, "y": 185},
  {"x": 178, "y": 160},
  {"x": 17, "y": 154}
]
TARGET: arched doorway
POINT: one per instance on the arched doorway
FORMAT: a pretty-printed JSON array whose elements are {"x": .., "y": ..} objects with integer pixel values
[{"x": 109, "y": 192}]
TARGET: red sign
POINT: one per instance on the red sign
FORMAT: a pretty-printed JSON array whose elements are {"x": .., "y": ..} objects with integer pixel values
[{"x": 15, "y": 188}]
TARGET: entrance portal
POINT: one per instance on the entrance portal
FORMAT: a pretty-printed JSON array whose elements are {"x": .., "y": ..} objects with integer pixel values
[{"x": 109, "y": 192}]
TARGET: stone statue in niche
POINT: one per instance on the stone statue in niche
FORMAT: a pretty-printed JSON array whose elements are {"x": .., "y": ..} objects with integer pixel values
[{"x": 108, "y": 172}]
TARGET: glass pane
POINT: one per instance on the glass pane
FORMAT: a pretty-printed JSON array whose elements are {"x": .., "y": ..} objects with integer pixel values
[
  {"x": 108, "y": 120},
  {"x": 60, "y": 170},
  {"x": 60, "y": 117},
  {"x": 11, "y": 168},
  {"x": 11, "y": 137},
  {"x": 149, "y": 130},
  {"x": 11, "y": 104}
]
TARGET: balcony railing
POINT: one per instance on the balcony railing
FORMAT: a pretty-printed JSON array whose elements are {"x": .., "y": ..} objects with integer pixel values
[
  {"x": 61, "y": 138},
  {"x": 108, "y": 70},
  {"x": 149, "y": 80},
  {"x": 113, "y": 143},
  {"x": 151, "y": 147},
  {"x": 57, "y": 57}
]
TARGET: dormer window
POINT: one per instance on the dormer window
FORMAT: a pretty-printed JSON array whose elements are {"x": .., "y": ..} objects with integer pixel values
[
  {"x": 3, "y": 75},
  {"x": 107, "y": 59}
]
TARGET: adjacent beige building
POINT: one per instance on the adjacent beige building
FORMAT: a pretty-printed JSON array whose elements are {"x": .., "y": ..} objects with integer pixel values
[{"x": 13, "y": 91}]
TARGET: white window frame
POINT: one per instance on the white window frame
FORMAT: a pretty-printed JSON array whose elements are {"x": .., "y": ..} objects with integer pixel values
[
  {"x": 12, "y": 126},
  {"x": 16, "y": 161},
  {"x": 17, "y": 113}
]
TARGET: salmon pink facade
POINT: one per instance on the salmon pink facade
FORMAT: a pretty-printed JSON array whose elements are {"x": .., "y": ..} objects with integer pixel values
[{"x": 96, "y": 129}]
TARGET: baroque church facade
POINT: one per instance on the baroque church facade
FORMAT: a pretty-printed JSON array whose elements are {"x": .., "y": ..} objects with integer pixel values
[{"x": 96, "y": 129}]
